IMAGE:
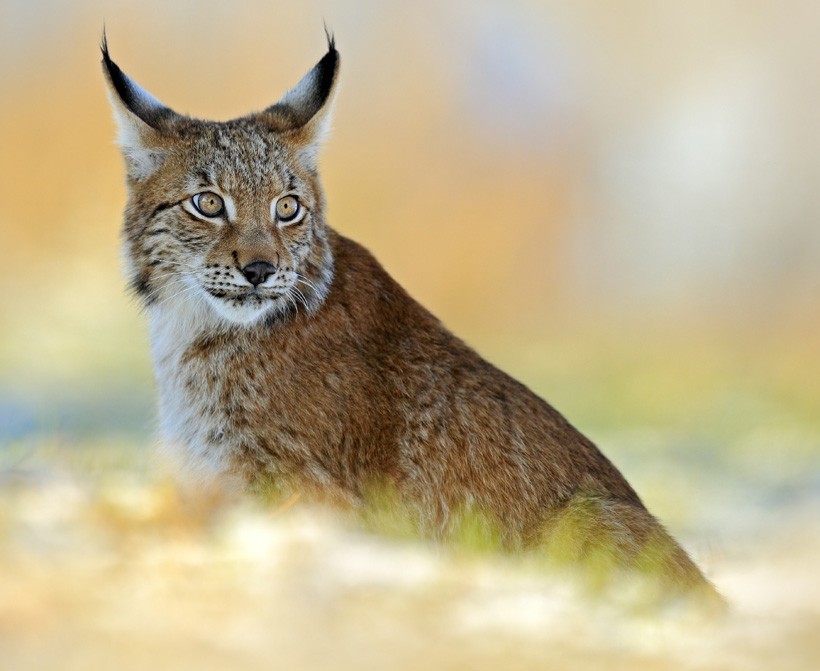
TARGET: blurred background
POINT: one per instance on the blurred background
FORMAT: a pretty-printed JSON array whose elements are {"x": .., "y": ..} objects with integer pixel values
[{"x": 617, "y": 203}]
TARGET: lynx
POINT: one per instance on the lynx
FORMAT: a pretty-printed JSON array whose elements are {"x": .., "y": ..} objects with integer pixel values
[{"x": 284, "y": 353}]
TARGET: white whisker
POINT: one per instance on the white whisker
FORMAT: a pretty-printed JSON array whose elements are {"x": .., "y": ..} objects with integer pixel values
[
  {"x": 300, "y": 296},
  {"x": 185, "y": 289},
  {"x": 293, "y": 302},
  {"x": 304, "y": 280},
  {"x": 165, "y": 262}
]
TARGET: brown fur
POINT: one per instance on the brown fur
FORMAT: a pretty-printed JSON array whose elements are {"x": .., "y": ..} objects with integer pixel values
[{"x": 360, "y": 387}]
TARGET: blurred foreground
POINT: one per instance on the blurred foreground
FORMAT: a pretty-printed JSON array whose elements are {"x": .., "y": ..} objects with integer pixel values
[
  {"x": 104, "y": 563},
  {"x": 120, "y": 574}
]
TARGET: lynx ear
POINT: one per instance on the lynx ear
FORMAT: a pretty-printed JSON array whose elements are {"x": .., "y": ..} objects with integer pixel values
[
  {"x": 303, "y": 113},
  {"x": 145, "y": 125}
]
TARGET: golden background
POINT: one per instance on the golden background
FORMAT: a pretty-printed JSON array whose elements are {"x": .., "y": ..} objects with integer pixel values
[{"x": 616, "y": 202}]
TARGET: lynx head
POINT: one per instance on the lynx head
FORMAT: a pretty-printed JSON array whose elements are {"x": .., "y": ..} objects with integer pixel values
[{"x": 226, "y": 218}]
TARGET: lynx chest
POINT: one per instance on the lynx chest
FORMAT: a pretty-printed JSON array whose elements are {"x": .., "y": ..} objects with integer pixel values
[{"x": 226, "y": 400}]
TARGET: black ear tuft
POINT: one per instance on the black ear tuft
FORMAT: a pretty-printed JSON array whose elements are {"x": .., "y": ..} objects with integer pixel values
[
  {"x": 138, "y": 101},
  {"x": 104, "y": 44},
  {"x": 306, "y": 106},
  {"x": 331, "y": 39},
  {"x": 326, "y": 73}
]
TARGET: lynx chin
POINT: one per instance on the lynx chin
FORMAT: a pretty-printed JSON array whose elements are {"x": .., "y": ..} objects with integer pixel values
[{"x": 285, "y": 355}]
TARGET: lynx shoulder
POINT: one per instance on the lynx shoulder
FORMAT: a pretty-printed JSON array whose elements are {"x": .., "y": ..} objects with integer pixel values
[{"x": 285, "y": 353}]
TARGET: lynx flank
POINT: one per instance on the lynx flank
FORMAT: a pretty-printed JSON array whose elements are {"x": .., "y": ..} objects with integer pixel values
[{"x": 284, "y": 353}]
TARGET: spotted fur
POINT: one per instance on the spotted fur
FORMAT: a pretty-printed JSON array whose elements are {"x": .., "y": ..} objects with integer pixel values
[{"x": 328, "y": 376}]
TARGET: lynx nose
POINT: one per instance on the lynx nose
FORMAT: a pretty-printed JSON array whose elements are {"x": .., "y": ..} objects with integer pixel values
[{"x": 258, "y": 271}]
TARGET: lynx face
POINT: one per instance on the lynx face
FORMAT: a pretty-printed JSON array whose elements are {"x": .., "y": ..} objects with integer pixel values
[{"x": 227, "y": 218}]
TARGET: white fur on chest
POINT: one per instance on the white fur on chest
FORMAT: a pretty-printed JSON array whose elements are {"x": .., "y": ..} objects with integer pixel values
[
  {"x": 193, "y": 436},
  {"x": 200, "y": 435}
]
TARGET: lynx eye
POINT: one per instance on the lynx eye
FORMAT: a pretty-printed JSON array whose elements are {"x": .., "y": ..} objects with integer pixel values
[
  {"x": 288, "y": 209},
  {"x": 208, "y": 203}
]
